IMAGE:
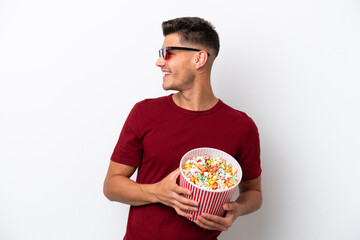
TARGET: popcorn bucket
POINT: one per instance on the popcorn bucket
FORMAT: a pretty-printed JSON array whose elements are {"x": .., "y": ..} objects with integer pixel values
[{"x": 210, "y": 201}]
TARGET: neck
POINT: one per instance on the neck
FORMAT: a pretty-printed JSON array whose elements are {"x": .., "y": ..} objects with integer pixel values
[{"x": 196, "y": 99}]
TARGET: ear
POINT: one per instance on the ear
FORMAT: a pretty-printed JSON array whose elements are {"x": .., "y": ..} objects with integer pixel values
[{"x": 200, "y": 59}]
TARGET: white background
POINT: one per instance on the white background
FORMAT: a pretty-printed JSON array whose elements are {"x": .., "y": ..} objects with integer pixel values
[{"x": 71, "y": 70}]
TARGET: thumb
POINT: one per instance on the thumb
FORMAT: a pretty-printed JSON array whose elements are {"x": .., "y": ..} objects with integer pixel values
[
  {"x": 231, "y": 206},
  {"x": 175, "y": 174}
]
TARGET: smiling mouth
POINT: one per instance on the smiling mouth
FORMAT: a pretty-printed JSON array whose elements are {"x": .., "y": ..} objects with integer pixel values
[{"x": 166, "y": 74}]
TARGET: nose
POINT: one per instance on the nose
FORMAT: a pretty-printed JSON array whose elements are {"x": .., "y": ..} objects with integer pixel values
[{"x": 160, "y": 62}]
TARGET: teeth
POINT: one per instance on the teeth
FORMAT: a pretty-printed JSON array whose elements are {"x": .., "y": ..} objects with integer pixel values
[{"x": 166, "y": 73}]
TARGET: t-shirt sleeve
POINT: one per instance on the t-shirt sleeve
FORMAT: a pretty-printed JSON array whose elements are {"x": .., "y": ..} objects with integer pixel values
[
  {"x": 249, "y": 158},
  {"x": 129, "y": 149}
]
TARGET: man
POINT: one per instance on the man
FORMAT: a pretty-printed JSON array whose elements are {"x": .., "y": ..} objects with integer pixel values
[{"x": 158, "y": 132}]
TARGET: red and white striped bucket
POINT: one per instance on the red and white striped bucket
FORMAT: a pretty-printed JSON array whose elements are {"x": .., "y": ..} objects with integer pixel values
[{"x": 210, "y": 201}]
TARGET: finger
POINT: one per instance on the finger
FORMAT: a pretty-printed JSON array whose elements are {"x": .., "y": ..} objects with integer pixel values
[
  {"x": 182, "y": 190},
  {"x": 204, "y": 225},
  {"x": 175, "y": 174},
  {"x": 182, "y": 213},
  {"x": 210, "y": 225},
  {"x": 231, "y": 206},
  {"x": 178, "y": 205},
  {"x": 187, "y": 207},
  {"x": 184, "y": 200},
  {"x": 185, "y": 204},
  {"x": 213, "y": 218}
]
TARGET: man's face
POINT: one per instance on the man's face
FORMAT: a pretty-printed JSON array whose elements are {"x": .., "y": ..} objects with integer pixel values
[{"x": 178, "y": 70}]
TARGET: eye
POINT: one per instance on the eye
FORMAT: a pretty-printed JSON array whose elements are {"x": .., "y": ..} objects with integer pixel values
[{"x": 167, "y": 55}]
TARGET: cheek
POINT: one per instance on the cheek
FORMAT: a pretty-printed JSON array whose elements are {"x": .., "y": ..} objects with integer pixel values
[
  {"x": 180, "y": 68},
  {"x": 185, "y": 68}
]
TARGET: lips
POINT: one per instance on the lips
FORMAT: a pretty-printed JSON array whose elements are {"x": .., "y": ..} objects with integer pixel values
[{"x": 166, "y": 73}]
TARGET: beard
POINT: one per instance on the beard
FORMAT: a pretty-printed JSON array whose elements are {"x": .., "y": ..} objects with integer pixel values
[{"x": 180, "y": 84}]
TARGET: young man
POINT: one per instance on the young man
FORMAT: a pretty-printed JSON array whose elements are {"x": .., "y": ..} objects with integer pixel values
[{"x": 158, "y": 132}]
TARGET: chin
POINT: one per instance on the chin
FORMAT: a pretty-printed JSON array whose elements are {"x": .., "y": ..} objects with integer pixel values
[
  {"x": 165, "y": 87},
  {"x": 168, "y": 87}
]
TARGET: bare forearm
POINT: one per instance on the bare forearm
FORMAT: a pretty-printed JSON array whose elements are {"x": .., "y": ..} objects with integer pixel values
[
  {"x": 249, "y": 202},
  {"x": 119, "y": 187},
  {"x": 122, "y": 189}
]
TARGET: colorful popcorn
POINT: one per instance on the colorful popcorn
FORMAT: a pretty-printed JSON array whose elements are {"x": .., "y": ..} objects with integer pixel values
[{"x": 212, "y": 173}]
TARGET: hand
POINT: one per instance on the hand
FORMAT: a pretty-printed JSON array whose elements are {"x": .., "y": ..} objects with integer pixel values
[
  {"x": 213, "y": 222},
  {"x": 168, "y": 192}
]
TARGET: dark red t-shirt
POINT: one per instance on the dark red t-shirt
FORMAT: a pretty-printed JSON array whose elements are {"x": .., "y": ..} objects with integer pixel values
[{"x": 156, "y": 134}]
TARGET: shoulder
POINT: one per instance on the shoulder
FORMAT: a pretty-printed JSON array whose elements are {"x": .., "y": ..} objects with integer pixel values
[
  {"x": 150, "y": 104},
  {"x": 241, "y": 122},
  {"x": 237, "y": 115}
]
